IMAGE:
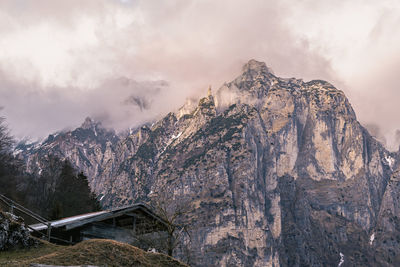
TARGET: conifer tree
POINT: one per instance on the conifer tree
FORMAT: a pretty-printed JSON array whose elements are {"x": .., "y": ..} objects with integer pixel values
[{"x": 72, "y": 195}]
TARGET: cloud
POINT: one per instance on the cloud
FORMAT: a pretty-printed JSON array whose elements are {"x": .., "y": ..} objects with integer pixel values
[
  {"x": 188, "y": 42},
  {"x": 35, "y": 113},
  {"x": 358, "y": 38},
  {"x": 376, "y": 132},
  {"x": 69, "y": 56},
  {"x": 142, "y": 103}
]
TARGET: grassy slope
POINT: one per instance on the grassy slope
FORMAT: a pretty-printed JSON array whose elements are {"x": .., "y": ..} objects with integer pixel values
[{"x": 91, "y": 252}]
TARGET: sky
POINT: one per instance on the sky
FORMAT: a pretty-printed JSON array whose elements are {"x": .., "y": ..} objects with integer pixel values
[{"x": 125, "y": 62}]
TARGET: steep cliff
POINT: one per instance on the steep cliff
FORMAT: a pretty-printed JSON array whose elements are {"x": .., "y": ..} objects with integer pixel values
[
  {"x": 278, "y": 172},
  {"x": 90, "y": 147}
]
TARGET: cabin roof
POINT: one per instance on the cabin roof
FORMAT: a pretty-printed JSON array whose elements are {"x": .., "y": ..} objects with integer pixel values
[{"x": 80, "y": 220}]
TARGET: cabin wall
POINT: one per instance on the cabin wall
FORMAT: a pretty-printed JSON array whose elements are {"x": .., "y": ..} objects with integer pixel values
[
  {"x": 146, "y": 241},
  {"x": 106, "y": 231}
]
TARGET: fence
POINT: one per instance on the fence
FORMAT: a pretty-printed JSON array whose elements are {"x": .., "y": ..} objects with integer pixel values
[{"x": 15, "y": 206}]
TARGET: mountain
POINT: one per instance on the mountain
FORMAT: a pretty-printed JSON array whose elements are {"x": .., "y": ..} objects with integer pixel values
[
  {"x": 89, "y": 147},
  {"x": 278, "y": 172}
]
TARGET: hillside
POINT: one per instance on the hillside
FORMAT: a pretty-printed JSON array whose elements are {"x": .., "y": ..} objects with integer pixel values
[{"x": 92, "y": 252}]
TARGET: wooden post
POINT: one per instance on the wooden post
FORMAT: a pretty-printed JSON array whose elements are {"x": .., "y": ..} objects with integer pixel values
[
  {"x": 48, "y": 232},
  {"x": 134, "y": 225}
]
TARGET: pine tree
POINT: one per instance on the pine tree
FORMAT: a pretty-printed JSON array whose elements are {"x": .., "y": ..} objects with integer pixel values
[
  {"x": 72, "y": 195},
  {"x": 59, "y": 192}
]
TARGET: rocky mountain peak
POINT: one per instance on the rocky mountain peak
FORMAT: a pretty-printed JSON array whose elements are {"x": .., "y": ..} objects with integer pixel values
[
  {"x": 207, "y": 105},
  {"x": 254, "y": 67},
  {"x": 256, "y": 78},
  {"x": 88, "y": 124}
]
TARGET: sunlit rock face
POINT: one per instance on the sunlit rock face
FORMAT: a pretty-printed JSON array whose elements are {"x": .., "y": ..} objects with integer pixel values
[{"x": 279, "y": 173}]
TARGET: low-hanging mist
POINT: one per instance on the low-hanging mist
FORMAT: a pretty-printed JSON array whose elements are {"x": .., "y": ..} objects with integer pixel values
[{"x": 127, "y": 62}]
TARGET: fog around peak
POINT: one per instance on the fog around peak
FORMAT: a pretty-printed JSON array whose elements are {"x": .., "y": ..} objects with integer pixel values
[{"x": 127, "y": 62}]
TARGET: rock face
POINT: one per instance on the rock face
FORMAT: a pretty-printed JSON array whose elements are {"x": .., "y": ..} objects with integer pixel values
[
  {"x": 279, "y": 172},
  {"x": 91, "y": 148},
  {"x": 13, "y": 233}
]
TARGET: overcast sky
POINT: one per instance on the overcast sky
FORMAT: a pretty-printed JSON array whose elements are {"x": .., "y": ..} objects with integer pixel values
[{"x": 125, "y": 62}]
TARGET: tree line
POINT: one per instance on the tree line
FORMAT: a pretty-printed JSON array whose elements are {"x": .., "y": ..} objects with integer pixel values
[{"x": 59, "y": 191}]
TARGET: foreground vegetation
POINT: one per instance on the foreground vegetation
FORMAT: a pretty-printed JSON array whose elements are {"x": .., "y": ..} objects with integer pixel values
[{"x": 90, "y": 252}]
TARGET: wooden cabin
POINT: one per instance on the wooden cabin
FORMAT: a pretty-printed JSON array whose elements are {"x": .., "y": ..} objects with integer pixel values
[{"x": 136, "y": 225}]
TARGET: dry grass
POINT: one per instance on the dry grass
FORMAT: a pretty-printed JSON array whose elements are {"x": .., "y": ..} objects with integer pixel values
[
  {"x": 98, "y": 252},
  {"x": 15, "y": 257}
]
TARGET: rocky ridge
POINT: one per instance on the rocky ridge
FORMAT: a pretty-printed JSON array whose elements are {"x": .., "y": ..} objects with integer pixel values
[
  {"x": 279, "y": 172},
  {"x": 89, "y": 147}
]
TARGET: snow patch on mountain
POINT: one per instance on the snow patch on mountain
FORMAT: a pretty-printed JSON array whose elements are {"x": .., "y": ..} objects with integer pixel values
[
  {"x": 388, "y": 160},
  {"x": 176, "y": 136},
  {"x": 371, "y": 239},
  {"x": 341, "y": 259}
]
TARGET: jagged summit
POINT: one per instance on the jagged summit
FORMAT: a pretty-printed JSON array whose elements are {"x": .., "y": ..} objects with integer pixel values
[
  {"x": 256, "y": 78},
  {"x": 255, "y": 67},
  {"x": 89, "y": 123}
]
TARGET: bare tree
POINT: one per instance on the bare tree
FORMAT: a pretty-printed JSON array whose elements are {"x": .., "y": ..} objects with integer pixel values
[
  {"x": 173, "y": 209},
  {"x": 6, "y": 140}
]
